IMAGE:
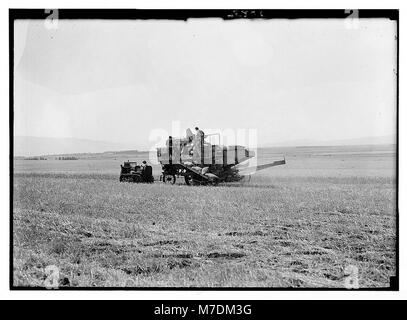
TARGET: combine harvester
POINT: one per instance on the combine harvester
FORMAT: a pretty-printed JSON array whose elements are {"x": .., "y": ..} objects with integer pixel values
[{"x": 203, "y": 163}]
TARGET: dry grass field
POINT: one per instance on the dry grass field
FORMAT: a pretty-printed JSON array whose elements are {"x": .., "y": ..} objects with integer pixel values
[{"x": 297, "y": 225}]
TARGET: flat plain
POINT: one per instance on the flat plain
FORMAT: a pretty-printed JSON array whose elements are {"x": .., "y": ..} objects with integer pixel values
[{"x": 300, "y": 225}]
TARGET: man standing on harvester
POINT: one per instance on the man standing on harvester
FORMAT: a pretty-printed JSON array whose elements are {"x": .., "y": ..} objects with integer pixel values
[{"x": 198, "y": 145}]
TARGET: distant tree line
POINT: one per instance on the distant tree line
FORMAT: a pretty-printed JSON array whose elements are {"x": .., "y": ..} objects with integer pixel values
[
  {"x": 66, "y": 158},
  {"x": 35, "y": 158}
]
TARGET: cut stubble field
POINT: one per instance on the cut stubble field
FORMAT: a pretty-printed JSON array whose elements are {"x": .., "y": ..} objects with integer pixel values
[{"x": 290, "y": 226}]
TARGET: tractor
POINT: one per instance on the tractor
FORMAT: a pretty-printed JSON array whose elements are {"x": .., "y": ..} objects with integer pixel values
[{"x": 132, "y": 172}]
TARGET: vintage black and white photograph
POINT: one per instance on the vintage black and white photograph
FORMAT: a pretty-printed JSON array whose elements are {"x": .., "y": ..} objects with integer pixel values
[{"x": 222, "y": 149}]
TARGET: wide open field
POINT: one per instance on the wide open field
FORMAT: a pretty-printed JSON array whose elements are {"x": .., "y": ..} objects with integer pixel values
[{"x": 297, "y": 225}]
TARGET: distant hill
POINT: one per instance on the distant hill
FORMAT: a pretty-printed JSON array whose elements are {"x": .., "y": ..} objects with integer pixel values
[
  {"x": 36, "y": 146},
  {"x": 388, "y": 139}
]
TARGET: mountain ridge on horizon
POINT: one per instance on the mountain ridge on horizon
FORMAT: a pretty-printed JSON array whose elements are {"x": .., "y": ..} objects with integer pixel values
[
  {"x": 38, "y": 146},
  {"x": 385, "y": 139},
  {"x": 26, "y": 146}
]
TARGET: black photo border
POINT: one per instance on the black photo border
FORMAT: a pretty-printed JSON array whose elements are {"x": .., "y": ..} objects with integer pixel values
[{"x": 185, "y": 14}]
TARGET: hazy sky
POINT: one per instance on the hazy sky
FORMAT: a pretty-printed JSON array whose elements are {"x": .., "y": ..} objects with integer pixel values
[{"x": 289, "y": 79}]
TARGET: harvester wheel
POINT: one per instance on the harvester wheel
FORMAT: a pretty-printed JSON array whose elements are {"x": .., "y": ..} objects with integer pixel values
[
  {"x": 188, "y": 179},
  {"x": 214, "y": 182},
  {"x": 196, "y": 182},
  {"x": 169, "y": 178}
]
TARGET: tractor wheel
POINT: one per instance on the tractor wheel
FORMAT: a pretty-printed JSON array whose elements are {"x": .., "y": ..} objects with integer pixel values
[
  {"x": 169, "y": 178},
  {"x": 125, "y": 179},
  {"x": 137, "y": 178}
]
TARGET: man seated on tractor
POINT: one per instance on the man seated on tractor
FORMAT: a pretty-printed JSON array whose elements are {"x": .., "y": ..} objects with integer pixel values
[{"x": 147, "y": 172}]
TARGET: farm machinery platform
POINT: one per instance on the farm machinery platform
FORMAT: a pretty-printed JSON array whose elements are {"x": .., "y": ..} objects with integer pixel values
[{"x": 202, "y": 163}]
